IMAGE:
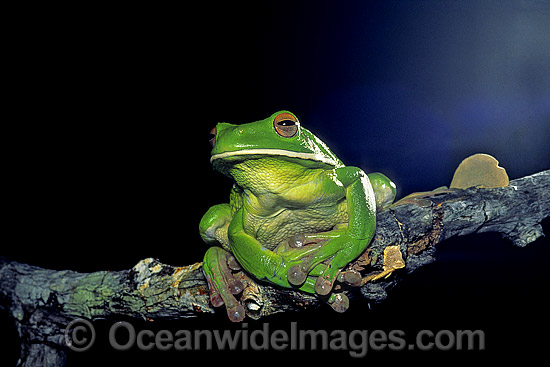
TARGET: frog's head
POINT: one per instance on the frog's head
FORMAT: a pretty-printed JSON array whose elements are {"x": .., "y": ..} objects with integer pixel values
[{"x": 279, "y": 136}]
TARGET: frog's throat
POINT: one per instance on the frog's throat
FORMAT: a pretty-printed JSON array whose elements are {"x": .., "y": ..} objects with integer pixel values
[{"x": 280, "y": 152}]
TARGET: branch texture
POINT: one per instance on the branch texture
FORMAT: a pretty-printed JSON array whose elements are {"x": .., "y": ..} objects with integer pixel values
[{"x": 42, "y": 302}]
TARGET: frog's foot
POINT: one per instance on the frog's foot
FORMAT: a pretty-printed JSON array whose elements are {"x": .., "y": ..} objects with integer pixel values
[
  {"x": 299, "y": 249},
  {"x": 321, "y": 257},
  {"x": 328, "y": 264},
  {"x": 218, "y": 265}
]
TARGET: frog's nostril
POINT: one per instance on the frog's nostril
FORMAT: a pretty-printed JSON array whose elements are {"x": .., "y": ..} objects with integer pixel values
[{"x": 212, "y": 136}]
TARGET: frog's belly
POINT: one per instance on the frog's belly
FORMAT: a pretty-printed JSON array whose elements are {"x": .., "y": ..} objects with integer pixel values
[{"x": 271, "y": 231}]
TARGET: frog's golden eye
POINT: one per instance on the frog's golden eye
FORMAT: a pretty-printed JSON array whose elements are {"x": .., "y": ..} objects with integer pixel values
[{"x": 285, "y": 125}]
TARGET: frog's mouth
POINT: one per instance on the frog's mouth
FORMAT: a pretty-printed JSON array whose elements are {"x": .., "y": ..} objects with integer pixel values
[{"x": 277, "y": 152}]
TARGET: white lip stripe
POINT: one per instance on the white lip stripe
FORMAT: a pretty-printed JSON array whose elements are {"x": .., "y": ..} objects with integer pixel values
[{"x": 286, "y": 153}]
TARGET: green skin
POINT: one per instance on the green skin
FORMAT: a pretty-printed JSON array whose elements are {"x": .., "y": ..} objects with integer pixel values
[{"x": 296, "y": 217}]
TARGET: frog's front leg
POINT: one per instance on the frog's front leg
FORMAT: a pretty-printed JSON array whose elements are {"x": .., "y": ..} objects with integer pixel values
[
  {"x": 350, "y": 277},
  {"x": 344, "y": 244},
  {"x": 338, "y": 301},
  {"x": 261, "y": 262}
]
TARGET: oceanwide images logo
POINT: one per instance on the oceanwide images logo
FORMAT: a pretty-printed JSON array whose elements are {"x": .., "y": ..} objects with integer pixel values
[{"x": 80, "y": 335}]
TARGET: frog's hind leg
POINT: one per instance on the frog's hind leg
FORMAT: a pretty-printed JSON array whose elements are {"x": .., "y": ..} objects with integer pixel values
[{"x": 217, "y": 267}]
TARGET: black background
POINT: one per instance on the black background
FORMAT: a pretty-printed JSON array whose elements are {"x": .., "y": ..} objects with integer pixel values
[{"x": 108, "y": 112}]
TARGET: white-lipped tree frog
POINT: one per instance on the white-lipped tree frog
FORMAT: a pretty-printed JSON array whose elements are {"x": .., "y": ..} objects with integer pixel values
[{"x": 290, "y": 189}]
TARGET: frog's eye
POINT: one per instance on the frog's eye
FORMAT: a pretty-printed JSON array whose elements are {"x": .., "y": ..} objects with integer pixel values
[{"x": 285, "y": 125}]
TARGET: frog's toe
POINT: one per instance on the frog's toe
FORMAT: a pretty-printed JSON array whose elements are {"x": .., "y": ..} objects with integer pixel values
[
  {"x": 222, "y": 291},
  {"x": 296, "y": 275},
  {"x": 222, "y": 294},
  {"x": 216, "y": 300},
  {"x": 350, "y": 277},
  {"x": 339, "y": 302},
  {"x": 215, "y": 297},
  {"x": 232, "y": 263},
  {"x": 323, "y": 285},
  {"x": 236, "y": 313},
  {"x": 325, "y": 281},
  {"x": 235, "y": 286}
]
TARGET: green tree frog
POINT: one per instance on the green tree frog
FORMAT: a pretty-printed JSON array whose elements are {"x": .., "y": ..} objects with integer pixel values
[{"x": 296, "y": 214}]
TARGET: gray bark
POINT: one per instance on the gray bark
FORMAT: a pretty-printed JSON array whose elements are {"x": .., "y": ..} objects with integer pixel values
[{"x": 43, "y": 302}]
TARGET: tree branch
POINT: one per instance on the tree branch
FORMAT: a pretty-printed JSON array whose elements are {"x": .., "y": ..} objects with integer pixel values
[{"x": 42, "y": 302}]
